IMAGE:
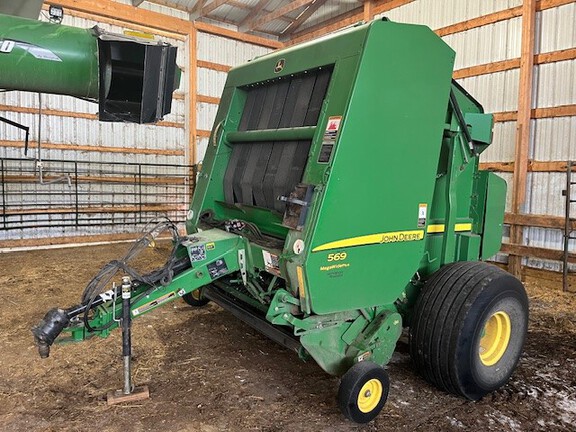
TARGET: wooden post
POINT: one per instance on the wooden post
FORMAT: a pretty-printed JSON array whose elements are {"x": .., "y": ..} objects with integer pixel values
[
  {"x": 368, "y": 10},
  {"x": 523, "y": 134},
  {"x": 192, "y": 102}
]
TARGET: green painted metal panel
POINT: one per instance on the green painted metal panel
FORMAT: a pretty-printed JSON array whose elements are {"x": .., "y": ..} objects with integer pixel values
[
  {"x": 50, "y": 58},
  {"x": 386, "y": 157},
  {"x": 494, "y": 214}
]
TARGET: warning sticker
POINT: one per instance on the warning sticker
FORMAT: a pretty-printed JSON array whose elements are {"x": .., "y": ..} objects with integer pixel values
[
  {"x": 422, "y": 211},
  {"x": 7, "y": 46},
  {"x": 271, "y": 262},
  {"x": 197, "y": 253},
  {"x": 217, "y": 268},
  {"x": 332, "y": 128},
  {"x": 150, "y": 305}
]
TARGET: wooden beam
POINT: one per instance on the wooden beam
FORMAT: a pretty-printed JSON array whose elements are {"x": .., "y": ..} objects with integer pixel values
[
  {"x": 248, "y": 20},
  {"x": 505, "y": 116},
  {"x": 71, "y": 114},
  {"x": 533, "y": 166},
  {"x": 196, "y": 10},
  {"x": 517, "y": 250},
  {"x": 303, "y": 17},
  {"x": 94, "y": 148},
  {"x": 271, "y": 16},
  {"x": 523, "y": 132},
  {"x": 552, "y": 112},
  {"x": 208, "y": 99},
  {"x": 387, "y": 5},
  {"x": 497, "y": 166},
  {"x": 130, "y": 26},
  {"x": 249, "y": 8},
  {"x": 207, "y": 9},
  {"x": 344, "y": 20},
  {"x": 203, "y": 133},
  {"x": 128, "y": 13},
  {"x": 504, "y": 65},
  {"x": 214, "y": 66},
  {"x": 219, "y": 31},
  {"x": 488, "y": 68},
  {"x": 538, "y": 113},
  {"x": 481, "y": 21},
  {"x": 555, "y": 56},
  {"x": 539, "y": 221},
  {"x": 155, "y": 20},
  {"x": 549, "y": 4}
]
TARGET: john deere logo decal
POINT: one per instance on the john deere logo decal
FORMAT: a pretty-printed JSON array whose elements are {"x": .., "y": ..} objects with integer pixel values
[{"x": 279, "y": 65}]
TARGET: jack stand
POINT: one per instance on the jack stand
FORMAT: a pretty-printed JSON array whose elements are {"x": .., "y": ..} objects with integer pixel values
[{"x": 128, "y": 393}]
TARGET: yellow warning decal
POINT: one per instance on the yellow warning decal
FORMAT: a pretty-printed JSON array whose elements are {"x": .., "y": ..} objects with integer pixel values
[
  {"x": 301, "y": 288},
  {"x": 154, "y": 303},
  {"x": 389, "y": 237},
  {"x": 439, "y": 228}
]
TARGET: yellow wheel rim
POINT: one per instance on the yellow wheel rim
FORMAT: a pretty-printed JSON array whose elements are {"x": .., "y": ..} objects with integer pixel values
[
  {"x": 495, "y": 338},
  {"x": 370, "y": 395},
  {"x": 196, "y": 294}
]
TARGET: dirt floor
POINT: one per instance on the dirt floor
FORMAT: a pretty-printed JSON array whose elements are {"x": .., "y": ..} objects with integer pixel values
[{"x": 207, "y": 371}]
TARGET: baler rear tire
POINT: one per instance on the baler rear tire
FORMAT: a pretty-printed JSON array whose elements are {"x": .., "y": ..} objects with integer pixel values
[
  {"x": 363, "y": 391},
  {"x": 195, "y": 298},
  {"x": 469, "y": 327}
]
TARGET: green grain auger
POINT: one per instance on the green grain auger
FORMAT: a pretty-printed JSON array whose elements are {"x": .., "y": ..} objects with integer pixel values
[
  {"x": 340, "y": 202},
  {"x": 131, "y": 78}
]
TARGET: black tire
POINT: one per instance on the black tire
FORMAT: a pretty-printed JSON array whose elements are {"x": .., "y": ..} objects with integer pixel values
[
  {"x": 453, "y": 341},
  {"x": 195, "y": 298},
  {"x": 359, "y": 408}
]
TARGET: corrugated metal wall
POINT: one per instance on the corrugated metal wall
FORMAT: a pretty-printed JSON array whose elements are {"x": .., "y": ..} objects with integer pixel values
[
  {"x": 554, "y": 138},
  {"x": 555, "y": 85}
]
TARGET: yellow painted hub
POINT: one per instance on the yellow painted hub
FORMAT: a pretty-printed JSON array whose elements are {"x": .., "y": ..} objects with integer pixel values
[
  {"x": 495, "y": 338},
  {"x": 196, "y": 294},
  {"x": 370, "y": 395}
]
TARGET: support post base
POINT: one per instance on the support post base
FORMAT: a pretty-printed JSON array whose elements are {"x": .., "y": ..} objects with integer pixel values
[{"x": 118, "y": 396}]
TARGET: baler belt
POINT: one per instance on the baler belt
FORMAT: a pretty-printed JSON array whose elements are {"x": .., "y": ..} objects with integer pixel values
[
  {"x": 266, "y": 148},
  {"x": 258, "y": 173}
]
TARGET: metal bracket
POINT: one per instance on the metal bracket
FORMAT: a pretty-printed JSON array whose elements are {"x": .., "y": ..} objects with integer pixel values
[
  {"x": 293, "y": 201},
  {"x": 242, "y": 264},
  {"x": 462, "y": 123}
]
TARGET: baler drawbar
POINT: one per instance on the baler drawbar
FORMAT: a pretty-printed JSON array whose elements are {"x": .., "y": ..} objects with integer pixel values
[{"x": 339, "y": 203}]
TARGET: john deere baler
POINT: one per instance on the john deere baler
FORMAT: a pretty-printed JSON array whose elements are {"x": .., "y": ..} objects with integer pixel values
[{"x": 339, "y": 202}]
